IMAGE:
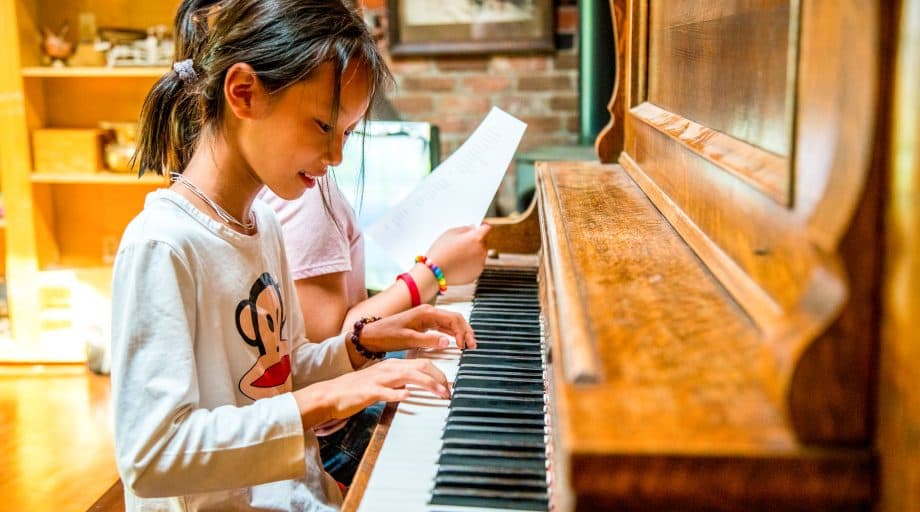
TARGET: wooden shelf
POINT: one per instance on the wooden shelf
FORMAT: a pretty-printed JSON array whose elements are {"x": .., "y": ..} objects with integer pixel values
[
  {"x": 102, "y": 178},
  {"x": 93, "y": 72}
]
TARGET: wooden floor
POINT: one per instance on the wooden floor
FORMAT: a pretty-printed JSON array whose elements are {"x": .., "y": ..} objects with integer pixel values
[{"x": 56, "y": 451}]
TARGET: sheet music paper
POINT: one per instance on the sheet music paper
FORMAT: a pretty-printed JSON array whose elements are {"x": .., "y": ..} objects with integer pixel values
[{"x": 457, "y": 193}]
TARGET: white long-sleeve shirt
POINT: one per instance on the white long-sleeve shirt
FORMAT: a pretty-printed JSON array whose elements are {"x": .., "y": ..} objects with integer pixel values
[{"x": 207, "y": 345}]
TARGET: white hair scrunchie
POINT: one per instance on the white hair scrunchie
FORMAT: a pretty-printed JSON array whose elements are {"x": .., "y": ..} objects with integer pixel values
[{"x": 186, "y": 70}]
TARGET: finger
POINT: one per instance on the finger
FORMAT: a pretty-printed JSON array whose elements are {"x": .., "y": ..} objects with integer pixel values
[
  {"x": 427, "y": 339},
  {"x": 433, "y": 381},
  {"x": 393, "y": 395},
  {"x": 423, "y": 376},
  {"x": 484, "y": 230},
  {"x": 451, "y": 323},
  {"x": 435, "y": 372}
]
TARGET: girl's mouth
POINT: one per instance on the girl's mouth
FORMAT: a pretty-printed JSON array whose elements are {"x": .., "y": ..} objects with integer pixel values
[{"x": 308, "y": 181}]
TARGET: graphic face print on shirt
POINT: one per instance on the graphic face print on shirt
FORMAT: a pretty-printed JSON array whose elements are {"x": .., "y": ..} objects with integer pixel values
[{"x": 260, "y": 322}]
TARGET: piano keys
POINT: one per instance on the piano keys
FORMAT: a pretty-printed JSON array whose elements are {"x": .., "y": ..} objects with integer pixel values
[
  {"x": 491, "y": 451},
  {"x": 494, "y": 442}
]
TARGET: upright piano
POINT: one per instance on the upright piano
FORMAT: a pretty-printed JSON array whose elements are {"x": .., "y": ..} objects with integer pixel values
[{"x": 707, "y": 326}]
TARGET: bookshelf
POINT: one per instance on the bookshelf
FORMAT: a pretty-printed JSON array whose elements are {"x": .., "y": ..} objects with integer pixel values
[{"x": 61, "y": 230}]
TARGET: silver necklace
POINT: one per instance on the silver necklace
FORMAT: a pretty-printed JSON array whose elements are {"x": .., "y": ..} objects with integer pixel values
[{"x": 224, "y": 216}]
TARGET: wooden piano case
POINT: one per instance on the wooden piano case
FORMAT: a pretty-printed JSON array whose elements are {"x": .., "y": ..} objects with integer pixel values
[{"x": 710, "y": 285}]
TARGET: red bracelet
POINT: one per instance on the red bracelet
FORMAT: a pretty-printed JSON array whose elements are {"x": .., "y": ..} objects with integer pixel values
[{"x": 413, "y": 288}]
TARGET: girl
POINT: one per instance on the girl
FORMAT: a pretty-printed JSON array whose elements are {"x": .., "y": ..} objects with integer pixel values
[{"x": 216, "y": 391}]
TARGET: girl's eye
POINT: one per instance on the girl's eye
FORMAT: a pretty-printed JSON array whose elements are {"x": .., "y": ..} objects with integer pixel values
[
  {"x": 324, "y": 127},
  {"x": 348, "y": 133}
]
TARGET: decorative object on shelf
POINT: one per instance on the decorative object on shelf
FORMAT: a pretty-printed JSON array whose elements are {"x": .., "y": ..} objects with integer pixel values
[
  {"x": 132, "y": 47},
  {"x": 55, "y": 47},
  {"x": 430, "y": 27},
  {"x": 120, "y": 148},
  {"x": 87, "y": 52},
  {"x": 68, "y": 151}
]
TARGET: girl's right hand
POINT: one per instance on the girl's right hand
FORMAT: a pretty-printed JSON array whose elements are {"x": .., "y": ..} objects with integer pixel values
[
  {"x": 461, "y": 253},
  {"x": 352, "y": 392}
]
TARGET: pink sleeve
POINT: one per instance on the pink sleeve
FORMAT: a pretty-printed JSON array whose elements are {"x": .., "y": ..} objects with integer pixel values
[{"x": 314, "y": 245}]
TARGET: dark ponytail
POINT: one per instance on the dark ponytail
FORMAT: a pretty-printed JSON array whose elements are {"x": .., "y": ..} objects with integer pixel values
[{"x": 284, "y": 41}]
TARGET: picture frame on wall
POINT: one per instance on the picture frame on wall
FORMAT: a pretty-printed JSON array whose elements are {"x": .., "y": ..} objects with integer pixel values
[{"x": 465, "y": 27}]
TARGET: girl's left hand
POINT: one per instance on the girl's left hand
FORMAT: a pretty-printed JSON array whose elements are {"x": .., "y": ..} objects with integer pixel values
[{"x": 423, "y": 326}]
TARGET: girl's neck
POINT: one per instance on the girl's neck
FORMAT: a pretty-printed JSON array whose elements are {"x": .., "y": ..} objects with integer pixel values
[{"x": 215, "y": 169}]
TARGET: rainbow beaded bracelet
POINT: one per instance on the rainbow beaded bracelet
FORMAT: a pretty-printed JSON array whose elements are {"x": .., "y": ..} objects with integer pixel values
[{"x": 436, "y": 270}]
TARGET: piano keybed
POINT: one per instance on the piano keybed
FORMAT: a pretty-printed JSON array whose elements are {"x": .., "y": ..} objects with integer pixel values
[{"x": 491, "y": 451}]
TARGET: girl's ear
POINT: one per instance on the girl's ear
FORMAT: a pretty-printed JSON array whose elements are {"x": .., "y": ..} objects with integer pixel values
[{"x": 246, "y": 97}]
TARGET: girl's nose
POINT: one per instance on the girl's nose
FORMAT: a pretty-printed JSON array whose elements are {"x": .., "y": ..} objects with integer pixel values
[{"x": 334, "y": 155}]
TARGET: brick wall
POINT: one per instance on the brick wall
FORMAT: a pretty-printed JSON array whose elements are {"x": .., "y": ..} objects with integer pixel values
[{"x": 455, "y": 92}]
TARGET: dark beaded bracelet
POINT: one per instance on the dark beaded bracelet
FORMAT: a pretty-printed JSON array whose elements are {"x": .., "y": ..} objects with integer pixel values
[{"x": 356, "y": 339}]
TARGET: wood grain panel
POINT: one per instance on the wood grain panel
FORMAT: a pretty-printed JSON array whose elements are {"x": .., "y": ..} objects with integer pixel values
[
  {"x": 899, "y": 395},
  {"x": 108, "y": 13},
  {"x": 15, "y": 165},
  {"x": 56, "y": 438},
  {"x": 725, "y": 65},
  {"x": 84, "y": 102},
  {"x": 87, "y": 217}
]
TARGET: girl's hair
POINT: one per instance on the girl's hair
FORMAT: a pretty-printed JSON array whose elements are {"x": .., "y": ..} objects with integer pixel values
[{"x": 284, "y": 41}]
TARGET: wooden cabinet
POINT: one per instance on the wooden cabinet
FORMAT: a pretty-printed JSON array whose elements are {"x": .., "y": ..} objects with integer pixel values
[{"x": 62, "y": 229}]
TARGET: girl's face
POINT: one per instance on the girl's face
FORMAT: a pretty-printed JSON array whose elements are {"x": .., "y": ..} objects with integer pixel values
[{"x": 294, "y": 142}]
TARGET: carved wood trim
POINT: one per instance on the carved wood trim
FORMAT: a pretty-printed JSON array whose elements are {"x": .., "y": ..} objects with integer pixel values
[
  {"x": 580, "y": 363},
  {"x": 761, "y": 169},
  {"x": 609, "y": 142},
  {"x": 516, "y": 234}
]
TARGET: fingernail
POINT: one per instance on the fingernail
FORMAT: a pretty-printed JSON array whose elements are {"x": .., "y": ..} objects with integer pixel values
[{"x": 443, "y": 391}]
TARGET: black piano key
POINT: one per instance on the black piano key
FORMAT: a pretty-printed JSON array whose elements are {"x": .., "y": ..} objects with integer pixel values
[
  {"x": 529, "y": 341},
  {"x": 526, "y": 360},
  {"x": 470, "y": 459},
  {"x": 480, "y": 481},
  {"x": 504, "y": 376},
  {"x": 501, "y": 316},
  {"x": 472, "y": 418},
  {"x": 496, "y": 402},
  {"x": 501, "y": 358},
  {"x": 506, "y": 301},
  {"x": 495, "y": 441},
  {"x": 502, "y": 383},
  {"x": 517, "y": 348},
  {"x": 486, "y": 369},
  {"x": 518, "y": 433},
  {"x": 461, "y": 499}
]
